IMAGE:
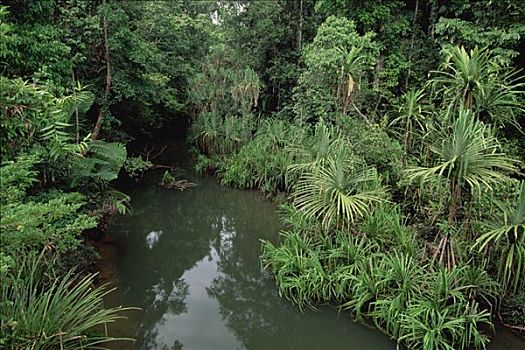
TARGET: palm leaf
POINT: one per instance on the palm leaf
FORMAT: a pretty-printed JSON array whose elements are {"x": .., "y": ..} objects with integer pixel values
[{"x": 336, "y": 193}]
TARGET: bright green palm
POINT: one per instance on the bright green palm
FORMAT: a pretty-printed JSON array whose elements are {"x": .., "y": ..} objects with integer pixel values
[
  {"x": 511, "y": 235},
  {"x": 469, "y": 156},
  {"x": 351, "y": 65},
  {"x": 326, "y": 142},
  {"x": 336, "y": 193},
  {"x": 463, "y": 73},
  {"x": 474, "y": 81},
  {"x": 412, "y": 117}
]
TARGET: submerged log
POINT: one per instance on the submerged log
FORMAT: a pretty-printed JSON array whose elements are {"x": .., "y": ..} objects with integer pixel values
[{"x": 180, "y": 185}]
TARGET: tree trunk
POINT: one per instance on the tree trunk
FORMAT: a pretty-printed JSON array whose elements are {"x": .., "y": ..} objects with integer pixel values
[
  {"x": 412, "y": 44},
  {"x": 406, "y": 138},
  {"x": 455, "y": 201},
  {"x": 76, "y": 109},
  {"x": 104, "y": 107},
  {"x": 378, "y": 68},
  {"x": 300, "y": 27}
]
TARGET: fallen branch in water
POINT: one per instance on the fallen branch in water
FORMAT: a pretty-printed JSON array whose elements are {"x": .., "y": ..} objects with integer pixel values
[
  {"x": 180, "y": 185},
  {"x": 520, "y": 329},
  {"x": 160, "y": 166}
]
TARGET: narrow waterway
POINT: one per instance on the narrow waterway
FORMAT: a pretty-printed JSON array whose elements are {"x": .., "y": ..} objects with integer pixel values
[{"x": 190, "y": 261}]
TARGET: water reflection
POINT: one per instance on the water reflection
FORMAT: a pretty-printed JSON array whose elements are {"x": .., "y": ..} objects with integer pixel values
[
  {"x": 153, "y": 238},
  {"x": 190, "y": 260}
]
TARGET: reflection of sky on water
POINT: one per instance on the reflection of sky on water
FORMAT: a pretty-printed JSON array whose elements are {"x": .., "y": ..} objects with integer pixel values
[
  {"x": 153, "y": 238},
  {"x": 201, "y": 324}
]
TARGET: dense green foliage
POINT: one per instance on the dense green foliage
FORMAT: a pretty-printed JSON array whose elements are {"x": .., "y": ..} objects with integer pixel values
[
  {"x": 55, "y": 182},
  {"x": 43, "y": 311},
  {"x": 399, "y": 148},
  {"x": 394, "y": 131}
]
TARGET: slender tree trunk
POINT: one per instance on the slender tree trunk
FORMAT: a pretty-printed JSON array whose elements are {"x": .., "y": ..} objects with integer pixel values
[
  {"x": 378, "y": 69},
  {"x": 104, "y": 107},
  {"x": 468, "y": 216},
  {"x": 360, "y": 113},
  {"x": 76, "y": 109},
  {"x": 380, "y": 60},
  {"x": 347, "y": 93},
  {"x": 433, "y": 18},
  {"x": 406, "y": 138},
  {"x": 413, "y": 39},
  {"x": 445, "y": 249},
  {"x": 467, "y": 100},
  {"x": 455, "y": 200},
  {"x": 300, "y": 28}
]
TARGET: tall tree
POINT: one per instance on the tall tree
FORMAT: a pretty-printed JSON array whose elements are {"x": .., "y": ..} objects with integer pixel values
[{"x": 107, "y": 89}]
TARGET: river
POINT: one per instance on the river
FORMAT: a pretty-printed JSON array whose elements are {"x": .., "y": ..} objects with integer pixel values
[{"x": 190, "y": 261}]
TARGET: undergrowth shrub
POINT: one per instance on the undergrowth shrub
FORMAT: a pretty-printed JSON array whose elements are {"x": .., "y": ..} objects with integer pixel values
[
  {"x": 263, "y": 162},
  {"x": 41, "y": 310},
  {"x": 215, "y": 134},
  {"x": 52, "y": 219},
  {"x": 375, "y": 146},
  {"x": 386, "y": 224},
  {"x": 379, "y": 275}
]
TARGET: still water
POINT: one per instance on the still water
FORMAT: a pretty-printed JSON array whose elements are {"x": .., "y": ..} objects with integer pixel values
[{"x": 190, "y": 261}]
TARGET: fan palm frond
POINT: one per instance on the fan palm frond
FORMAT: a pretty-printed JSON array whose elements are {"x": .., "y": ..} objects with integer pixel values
[
  {"x": 510, "y": 235},
  {"x": 474, "y": 81},
  {"x": 336, "y": 193},
  {"x": 469, "y": 155}
]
